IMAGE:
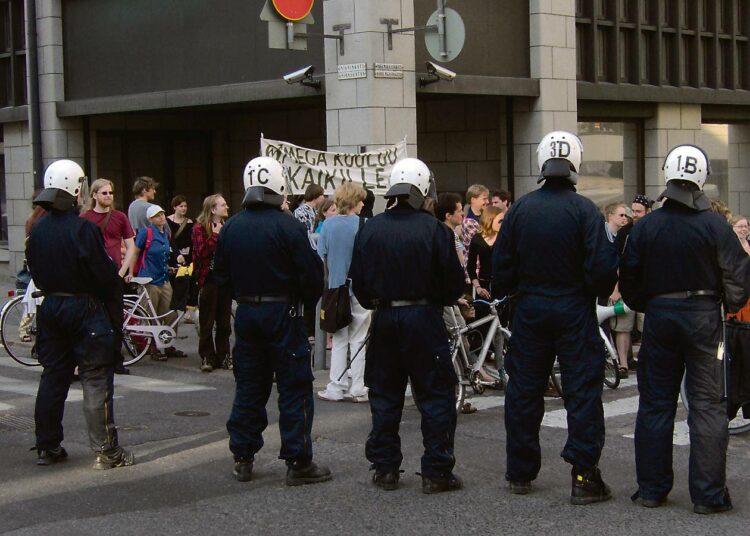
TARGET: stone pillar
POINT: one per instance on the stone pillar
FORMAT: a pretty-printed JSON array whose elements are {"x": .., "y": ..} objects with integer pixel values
[
  {"x": 739, "y": 169},
  {"x": 671, "y": 125},
  {"x": 629, "y": 162},
  {"x": 552, "y": 41},
  {"x": 19, "y": 189},
  {"x": 370, "y": 111}
]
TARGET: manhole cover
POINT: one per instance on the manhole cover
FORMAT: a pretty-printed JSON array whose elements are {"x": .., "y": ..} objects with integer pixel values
[
  {"x": 15, "y": 423},
  {"x": 192, "y": 413}
]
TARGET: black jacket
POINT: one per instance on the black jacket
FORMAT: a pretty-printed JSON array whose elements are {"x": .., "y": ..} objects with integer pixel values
[
  {"x": 405, "y": 254},
  {"x": 65, "y": 253},
  {"x": 677, "y": 248},
  {"x": 262, "y": 251},
  {"x": 553, "y": 243}
]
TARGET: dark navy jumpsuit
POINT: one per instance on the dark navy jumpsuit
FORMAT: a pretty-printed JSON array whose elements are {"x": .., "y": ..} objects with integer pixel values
[
  {"x": 264, "y": 252},
  {"x": 66, "y": 255},
  {"x": 554, "y": 251},
  {"x": 405, "y": 254},
  {"x": 677, "y": 248}
]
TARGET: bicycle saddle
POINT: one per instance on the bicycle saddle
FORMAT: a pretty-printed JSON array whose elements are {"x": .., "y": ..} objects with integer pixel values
[{"x": 141, "y": 280}]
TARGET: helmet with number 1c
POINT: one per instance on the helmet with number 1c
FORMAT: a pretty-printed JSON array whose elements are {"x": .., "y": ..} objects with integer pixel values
[
  {"x": 687, "y": 163},
  {"x": 64, "y": 181},
  {"x": 559, "y": 155},
  {"x": 265, "y": 181}
]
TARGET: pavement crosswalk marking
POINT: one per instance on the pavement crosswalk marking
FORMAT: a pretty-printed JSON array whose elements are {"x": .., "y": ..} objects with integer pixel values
[
  {"x": 141, "y": 383},
  {"x": 29, "y": 388},
  {"x": 614, "y": 408},
  {"x": 5, "y": 407}
]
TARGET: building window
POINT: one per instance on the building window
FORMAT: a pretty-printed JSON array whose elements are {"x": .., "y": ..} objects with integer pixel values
[{"x": 12, "y": 54}]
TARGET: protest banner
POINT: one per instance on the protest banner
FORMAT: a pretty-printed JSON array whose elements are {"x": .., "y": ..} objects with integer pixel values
[{"x": 329, "y": 170}]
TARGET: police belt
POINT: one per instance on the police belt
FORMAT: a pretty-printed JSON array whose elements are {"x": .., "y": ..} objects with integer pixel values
[
  {"x": 265, "y": 299},
  {"x": 685, "y": 294},
  {"x": 41, "y": 293},
  {"x": 401, "y": 303}
]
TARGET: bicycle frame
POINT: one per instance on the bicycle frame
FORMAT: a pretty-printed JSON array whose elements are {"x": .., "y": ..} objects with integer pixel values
[{"x": 162, "y": 334}]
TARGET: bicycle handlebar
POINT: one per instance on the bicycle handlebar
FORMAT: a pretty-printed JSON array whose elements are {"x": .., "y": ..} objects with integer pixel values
[{"x": 495, "y": 302}]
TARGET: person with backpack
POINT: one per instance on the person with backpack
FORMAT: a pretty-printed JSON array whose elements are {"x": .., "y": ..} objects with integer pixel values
[
  {"x": 214, "y": 302},
  {"x": 153, "y": 249},
  {"x": 115, "y": 229}
]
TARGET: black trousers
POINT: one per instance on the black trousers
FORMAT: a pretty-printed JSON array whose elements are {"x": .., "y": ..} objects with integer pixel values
[{"x": 215, "y": 306}]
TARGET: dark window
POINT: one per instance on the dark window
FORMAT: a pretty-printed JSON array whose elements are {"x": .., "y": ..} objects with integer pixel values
[{"x": 12, "y": 54}]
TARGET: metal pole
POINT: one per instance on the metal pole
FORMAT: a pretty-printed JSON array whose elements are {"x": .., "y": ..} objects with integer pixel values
[
  {"x": 441, "y": 29},
  {"x": 319, "y": 357},
  {"x": 35, "y": 123}
]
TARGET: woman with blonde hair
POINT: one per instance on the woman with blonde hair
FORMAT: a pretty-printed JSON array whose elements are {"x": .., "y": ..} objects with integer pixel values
[
  {"x": 479, "y": 262},
  {"x": 335, "y": 246},
  {"x": 214, "y": 302}
]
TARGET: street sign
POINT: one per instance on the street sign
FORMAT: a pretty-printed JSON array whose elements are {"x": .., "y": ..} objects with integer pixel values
[
  {"x": 293, "y": 10},
  {"x": 453, "y": 36},
  {"x": 352, "y": 71},
  {"x": 389, "y": 70}
]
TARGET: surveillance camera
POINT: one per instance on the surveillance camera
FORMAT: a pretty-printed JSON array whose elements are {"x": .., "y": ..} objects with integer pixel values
[
  {"x": 299, "y": 75},
  {"x": 440, "y": 71}
]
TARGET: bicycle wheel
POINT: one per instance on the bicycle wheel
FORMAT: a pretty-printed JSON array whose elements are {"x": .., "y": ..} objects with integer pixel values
[
  {"x": 611, "y": 365},
  {"x": 738, "y": 425},
  {"x": 18, "y": 332},
  {"x": 555, "y": 377},
  {"x": 135, "y": 343}
]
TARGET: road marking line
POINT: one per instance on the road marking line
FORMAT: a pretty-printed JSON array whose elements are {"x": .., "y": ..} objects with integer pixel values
[
  {"x": 5, "y": 407},
  {"x": 487, "y": 402},
  {"x": 623, "y": 406},
  {"x": 30, "y": 388},
  {"x": 681, "y": 434},
  {"x": 140, "y": 383}
]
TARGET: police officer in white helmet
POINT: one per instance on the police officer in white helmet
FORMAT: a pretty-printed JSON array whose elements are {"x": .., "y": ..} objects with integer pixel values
[
  {"x": 266, "y": 258},
  {"x": 680, "y": 262},
  {"x": 71, "y": 268},
  {"x": 554, "y": 252},
  {"x": 405, "y": 266}
]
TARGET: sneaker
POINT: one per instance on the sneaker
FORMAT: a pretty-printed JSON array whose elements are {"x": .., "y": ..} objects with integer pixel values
[
  {"x": 124, "y": 459},
  {"x": 157, "y": 356},
  {"x": 299, "y": 473},
  {"x": 386, "y": 479},
  {"x": 588, "y": 487},
  {"x": 121, "y": 369},
  {"x": 205, "y": 365},
  {"x": 174, "y": 352},
  {"x": 243, "y": 469},
  {"x": 326, "y": 395},
  {"x": 519, "y": 487},
  {"x": 432, "y": 485},
  {"x": 227, "y": 363},
  {"x": 357, "y": 398},
  {"x": 51, "y": 456}
]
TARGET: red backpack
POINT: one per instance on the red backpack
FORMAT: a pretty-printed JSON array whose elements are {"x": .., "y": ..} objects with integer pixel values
[{"x": 149, "y": 239}]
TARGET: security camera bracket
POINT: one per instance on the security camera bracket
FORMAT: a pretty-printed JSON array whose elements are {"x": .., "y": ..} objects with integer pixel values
[
  {"x": 339, "y": 28},
  {"x": 439, "y": 27}
]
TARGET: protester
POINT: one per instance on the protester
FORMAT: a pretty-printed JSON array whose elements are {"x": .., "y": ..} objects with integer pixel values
[
  {"x": 305, "y": 212},
  {"x": 326, "y": 210},
  {"x": 553, "y": 250},
  {"x": 69, "y": 265},
  {"x": 181, "y": 242},
  {"x": 405, "y": 264},
  {"x": 214, "y": 302},
  {"x": 369, "y": 205},
  {"x": 144, "y": 190},
  {"x": 616, "y": 218},
  {"x": 449, "y": 210},
  {"x": 679, "y": 263},
  {"x": 480, "y": 251},
  {"x": 500, "y": 199},
  {"x": 265, "y": 258},
  {"x": 153, "y": 251},
  {"x": 335, "y": 247},
  {"x": 740, "y": 227},
  {"x": 476, "y": 197},
  {"x": 116, "y": 230}
]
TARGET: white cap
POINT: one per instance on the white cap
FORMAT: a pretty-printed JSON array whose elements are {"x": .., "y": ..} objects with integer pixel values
[{"x": 153, "y": 210}]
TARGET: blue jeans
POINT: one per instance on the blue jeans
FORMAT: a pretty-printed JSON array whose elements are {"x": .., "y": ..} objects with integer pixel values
[{"x": 270, "y": 340}]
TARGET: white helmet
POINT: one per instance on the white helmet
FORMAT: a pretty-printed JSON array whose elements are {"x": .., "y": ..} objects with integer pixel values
[
  {"x": 408, "y": 173},
  {"x": 265, "y": 181},
  {"x": 64, "y": 180},
  {"x": 687, "y": 163},
  {"x": 560, "y": 144}
]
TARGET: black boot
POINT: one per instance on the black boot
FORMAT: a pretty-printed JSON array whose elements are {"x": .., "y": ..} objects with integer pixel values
[
  {"x": 707, "y": 509},
  {"x": 588, "y": 487},
  {"x": 299, "y": 473},
  {"x": 519, "y": 487},
  {"x": 386, "y": 479},
  {"x": 123, "y": 458},
  {"x": 51, "y": 456},
  {"x": 440, "y": 484},
  {"x": 243, "y": 469}
]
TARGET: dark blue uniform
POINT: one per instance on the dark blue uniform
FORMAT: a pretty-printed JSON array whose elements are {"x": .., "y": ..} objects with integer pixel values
[
  {"x": 676, "y": 249},
  {"x": 264, "y": 252},
  {"x": 66, "y": 255},
  {"x": 404, "y": 254},
  {"x": 554, "y": 251}
]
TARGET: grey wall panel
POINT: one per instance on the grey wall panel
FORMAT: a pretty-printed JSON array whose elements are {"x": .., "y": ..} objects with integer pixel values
[
  {"x": 497, "y": 36},
  {"x": 116, "y": 47}
]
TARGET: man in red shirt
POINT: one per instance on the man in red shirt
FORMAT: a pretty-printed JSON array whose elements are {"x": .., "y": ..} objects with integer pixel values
[{"x": 115, "y": 229}]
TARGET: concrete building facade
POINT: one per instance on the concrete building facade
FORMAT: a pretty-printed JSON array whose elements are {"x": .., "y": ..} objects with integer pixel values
[{"x": 183, "y": 90}]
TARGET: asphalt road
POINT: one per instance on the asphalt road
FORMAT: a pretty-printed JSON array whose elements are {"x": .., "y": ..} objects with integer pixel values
[{"x": 182, "y": 483}]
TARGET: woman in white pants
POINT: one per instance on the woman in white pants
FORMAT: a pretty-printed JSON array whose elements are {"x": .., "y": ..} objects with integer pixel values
[{"x": 335, "y": 246}]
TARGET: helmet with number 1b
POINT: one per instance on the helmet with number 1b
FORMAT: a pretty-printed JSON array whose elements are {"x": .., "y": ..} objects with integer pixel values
[
  {"x": 688, "y": 163},
  {"x": 265, "y": 181},
  {"x": 559, "y": 155}
]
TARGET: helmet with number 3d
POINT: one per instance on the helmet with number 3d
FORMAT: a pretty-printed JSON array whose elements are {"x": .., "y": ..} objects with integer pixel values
[
  {"x": 559, "y": 155},
  {"x": 265, "y": 181},
  {"x": 687, "y": 163}
]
